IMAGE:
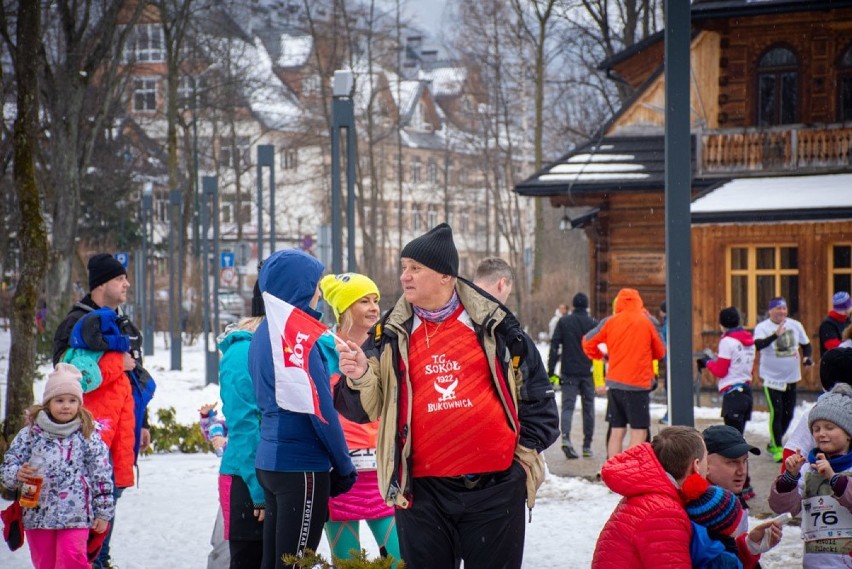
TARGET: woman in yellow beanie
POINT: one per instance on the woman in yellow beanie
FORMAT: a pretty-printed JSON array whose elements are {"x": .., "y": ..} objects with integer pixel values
[{"x": 354, "y": 299}]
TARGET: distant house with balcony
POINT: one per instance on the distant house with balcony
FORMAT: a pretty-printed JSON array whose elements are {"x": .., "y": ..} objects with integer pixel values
[{"x": 771, "y": 120}]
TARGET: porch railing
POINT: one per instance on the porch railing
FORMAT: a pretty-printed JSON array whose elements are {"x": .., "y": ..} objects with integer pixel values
[{"x": 777, "y": 149}]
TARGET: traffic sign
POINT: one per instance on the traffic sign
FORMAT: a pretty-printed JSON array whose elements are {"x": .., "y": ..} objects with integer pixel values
[
  {"x": 123, "y": 258},
  {"x": 226, "y": 259},
  {"x": 227, "y": 276}
]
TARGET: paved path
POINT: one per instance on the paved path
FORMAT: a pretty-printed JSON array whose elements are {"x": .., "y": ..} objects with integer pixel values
[{"x": 763, "y": 468}]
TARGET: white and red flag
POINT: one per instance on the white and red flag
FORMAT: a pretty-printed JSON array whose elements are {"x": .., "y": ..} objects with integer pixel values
[{"x": 292, "y": 334}]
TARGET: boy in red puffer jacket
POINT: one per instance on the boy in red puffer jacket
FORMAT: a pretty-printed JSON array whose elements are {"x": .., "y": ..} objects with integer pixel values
[{"x": 650, "y": 527}]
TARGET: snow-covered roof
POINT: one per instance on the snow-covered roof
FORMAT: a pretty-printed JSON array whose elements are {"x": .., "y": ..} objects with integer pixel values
[
  {"x": 295, "y": 50},
  {"x": 269, "y": 99},
  {"x": 446, "y": 81},
  {"x": 404, "y": 92},
  {"x": 610, "y": 164},
  {"x": 779, "y": 198}
]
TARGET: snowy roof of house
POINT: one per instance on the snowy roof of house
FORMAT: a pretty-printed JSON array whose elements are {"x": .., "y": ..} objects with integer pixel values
[
  {"x": 446, "y": 81},
  {"x": 268, "y": 98},
  {"x": 405, "y": 92},
  {"x": 614, "y": 163},
  {"x": 780, "y": 198},
  {"x": 295, "y": 50}
]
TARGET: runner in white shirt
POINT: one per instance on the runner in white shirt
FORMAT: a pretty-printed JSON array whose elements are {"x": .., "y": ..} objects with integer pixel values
[{"x": 778, "y": 339}]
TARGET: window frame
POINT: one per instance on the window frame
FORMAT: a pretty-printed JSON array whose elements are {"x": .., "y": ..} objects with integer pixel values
[
  {"x": 149, "y": 53},
  {"x": 777, "y": 72},
  {"x": 844, "y": 72},
  {"x": 145, "y": 91},
  {"x": 833, "y": 271},
  {"x": 751, "y": 272}
]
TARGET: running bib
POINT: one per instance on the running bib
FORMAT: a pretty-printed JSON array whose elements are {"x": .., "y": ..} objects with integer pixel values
[
  {"x": 823, "y": 517},
  {"x": 775, "y": 384},
  {"x": 363, "y": 458}
]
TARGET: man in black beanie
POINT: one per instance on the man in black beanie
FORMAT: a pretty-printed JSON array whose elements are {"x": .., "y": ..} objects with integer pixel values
[
  {"x": 466, "y": 407},
  {"x": 108, "y": 286},
  {"x": 575, "y": 373}
]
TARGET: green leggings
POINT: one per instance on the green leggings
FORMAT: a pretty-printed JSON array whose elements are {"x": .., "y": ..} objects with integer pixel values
[{"x": 344, "y": 537}]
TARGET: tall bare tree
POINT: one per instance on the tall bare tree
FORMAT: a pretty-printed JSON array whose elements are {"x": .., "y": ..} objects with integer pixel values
[
  {"x": 24, "y": 45},
  {"x": 80, "y": 60}
]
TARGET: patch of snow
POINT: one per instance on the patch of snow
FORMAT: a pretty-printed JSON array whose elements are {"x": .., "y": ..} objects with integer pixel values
[
  {"x": 778, "y": 193},
  {"x": 166, "y": 521}
]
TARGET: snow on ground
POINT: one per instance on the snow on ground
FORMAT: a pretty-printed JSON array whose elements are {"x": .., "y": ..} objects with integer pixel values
[{"x": 167, "y": 520}]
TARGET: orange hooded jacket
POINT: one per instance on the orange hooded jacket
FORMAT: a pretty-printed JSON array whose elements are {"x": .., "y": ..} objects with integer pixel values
[{"x": 632, "y": 340}]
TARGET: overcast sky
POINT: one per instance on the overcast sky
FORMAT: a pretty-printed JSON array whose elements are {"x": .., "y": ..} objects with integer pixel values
[{"x": 425, "y": 14}]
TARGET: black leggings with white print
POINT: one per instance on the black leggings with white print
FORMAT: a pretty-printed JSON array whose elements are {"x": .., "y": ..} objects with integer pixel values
[{"x": 296, "y": 509}]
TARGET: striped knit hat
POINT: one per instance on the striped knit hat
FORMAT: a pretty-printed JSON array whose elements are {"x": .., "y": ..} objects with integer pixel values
[{"x": 711, "y": 506}]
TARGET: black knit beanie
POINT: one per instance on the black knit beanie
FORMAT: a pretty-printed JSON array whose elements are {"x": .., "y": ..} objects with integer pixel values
[
  {"x": 103, "y": 268},
  {"x": 580, "y": 300},
  {"x": 435, "y": 250},
  {"x": 257, "y": 307},
  {"x": 729, "y": 317},
  {"x": 835, "y": 366}
]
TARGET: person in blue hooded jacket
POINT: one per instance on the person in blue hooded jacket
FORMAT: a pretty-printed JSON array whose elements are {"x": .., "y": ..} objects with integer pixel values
[{"x": 301, "y": 460}]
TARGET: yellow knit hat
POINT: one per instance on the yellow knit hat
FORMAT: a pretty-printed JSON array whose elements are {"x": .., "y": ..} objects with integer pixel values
[{"x": 343, "y": 290}]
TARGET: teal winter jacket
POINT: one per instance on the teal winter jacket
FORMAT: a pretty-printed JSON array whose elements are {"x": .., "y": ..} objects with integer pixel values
[{"x": 241, "y": 412}]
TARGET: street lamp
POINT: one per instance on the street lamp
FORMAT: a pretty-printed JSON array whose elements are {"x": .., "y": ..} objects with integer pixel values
[
  {"x": 147, "y": 295},
  {"x": 567, "y": 222},
  {"x": 175, "y": 257},
  {"x": 342, "y": 116},
  {"x": 265, "y": 157},
  {"x": 210, "y": 208}
]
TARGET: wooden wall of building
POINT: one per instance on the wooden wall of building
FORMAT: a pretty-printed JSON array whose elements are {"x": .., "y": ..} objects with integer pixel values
[
  {"x": 627, "y": 249},
  {"x": 818, "y": 38},
  {"x": 649, "y": 108},
  {"x": 813, "y": 240}
]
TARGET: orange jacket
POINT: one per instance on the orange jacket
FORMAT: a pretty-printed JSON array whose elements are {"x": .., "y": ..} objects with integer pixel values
[
  {"x": 112, "y": 406},
  {"x": 632, "y": 342}
]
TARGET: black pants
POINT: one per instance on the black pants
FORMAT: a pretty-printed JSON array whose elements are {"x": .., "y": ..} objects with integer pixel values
[
  {"x": 296, "y": 509},
  {"x": 245, "y": 542},
  {"x": 736, "y": 407},
  {"x": 449, "y": 522},
  {"x": 781, "y": 407},
  {"x": 571, "y": 386}
]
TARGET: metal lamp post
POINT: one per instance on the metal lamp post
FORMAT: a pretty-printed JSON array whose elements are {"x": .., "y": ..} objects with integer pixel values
[
  {"x": 342, "y": 116},
  {"x": 147, "y": 292},
  {"x": 265, "y": 157},
  {"x": 210, "y": 208},
  {"x": 175, "y": 257},
  {"x": 678, "y": 178}
]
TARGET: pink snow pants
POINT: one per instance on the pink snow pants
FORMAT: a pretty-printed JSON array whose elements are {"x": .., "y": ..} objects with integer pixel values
[{"x": 58, "y": 548}]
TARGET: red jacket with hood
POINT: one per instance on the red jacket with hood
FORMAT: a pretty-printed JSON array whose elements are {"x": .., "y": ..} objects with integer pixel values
[
  {"x": 649, "y": 528},
  {"x": 112, "y": 406}
]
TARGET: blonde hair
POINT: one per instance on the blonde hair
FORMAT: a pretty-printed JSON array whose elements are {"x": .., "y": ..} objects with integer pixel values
[
  {"x": 345, "y": 322},
  {"x": 87, "y": 420},
  {"x": 847, "y": 333},
  {"x": 249, "y": 323}
]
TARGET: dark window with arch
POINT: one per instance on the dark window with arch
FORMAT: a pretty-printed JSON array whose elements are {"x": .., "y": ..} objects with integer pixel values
[
  {"x": 777, "y": 87},
  {"x": 844, "y": 83}
]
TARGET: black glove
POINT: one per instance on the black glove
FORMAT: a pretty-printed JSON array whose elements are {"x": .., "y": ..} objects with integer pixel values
[
  {"x": 342, "y": 484},
  {"x": 808, "y": 362},
  {"x": 701, "y": 363}
]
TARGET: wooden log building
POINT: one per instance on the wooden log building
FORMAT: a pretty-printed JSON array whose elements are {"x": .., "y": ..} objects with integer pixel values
[{"x": 771, "y": 121}]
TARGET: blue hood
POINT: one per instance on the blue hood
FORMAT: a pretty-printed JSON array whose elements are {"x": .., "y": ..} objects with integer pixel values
[{"x": 291, "y": 275}]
